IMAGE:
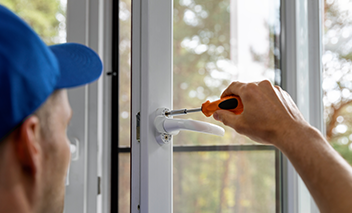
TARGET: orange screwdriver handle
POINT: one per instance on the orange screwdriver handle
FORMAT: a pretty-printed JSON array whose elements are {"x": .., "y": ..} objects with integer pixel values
[{"x": 231, "y": 103}]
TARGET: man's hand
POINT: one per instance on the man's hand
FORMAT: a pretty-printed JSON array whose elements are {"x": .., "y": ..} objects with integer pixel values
[
  {"x": 270, "y": 116},
  {"x": 269, "y": 112}
]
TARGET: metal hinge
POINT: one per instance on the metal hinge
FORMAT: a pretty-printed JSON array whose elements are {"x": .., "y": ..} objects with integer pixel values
[{"x": 138, "y": 127}]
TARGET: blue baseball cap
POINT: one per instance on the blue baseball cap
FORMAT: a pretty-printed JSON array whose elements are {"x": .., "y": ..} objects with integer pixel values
[{"x": 30, "y": 71}]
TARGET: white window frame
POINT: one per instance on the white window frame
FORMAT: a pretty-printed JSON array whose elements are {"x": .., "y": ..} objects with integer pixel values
[
  {"x": 302, "y": 71},
  {"x": 302, "y": 78},
  {"x": 151, "y": 180},
  {"x": 89, "y": 23}
]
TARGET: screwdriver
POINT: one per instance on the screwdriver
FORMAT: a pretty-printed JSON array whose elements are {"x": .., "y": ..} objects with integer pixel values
[{"x": 232, "y": 103}]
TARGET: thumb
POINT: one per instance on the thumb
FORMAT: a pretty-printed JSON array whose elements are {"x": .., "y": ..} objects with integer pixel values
[{"x": 226, "y": 117}]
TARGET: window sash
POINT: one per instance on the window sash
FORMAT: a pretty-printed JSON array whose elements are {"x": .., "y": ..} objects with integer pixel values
[{"x": 302, "y": 74}]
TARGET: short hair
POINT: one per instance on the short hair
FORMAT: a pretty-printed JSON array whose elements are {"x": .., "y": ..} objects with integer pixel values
[{"x": 44, "y": 114}]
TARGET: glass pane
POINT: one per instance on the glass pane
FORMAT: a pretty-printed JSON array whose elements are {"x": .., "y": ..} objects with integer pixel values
[
  {"x": 124, "y": 72},
  {"x": 47, "y": 18},
  {"x": 235, "y": 181},
  {"x": 216, "y": 42},
  {"x": 337, "y": 75},
  {"x": 124, "y": 182}
]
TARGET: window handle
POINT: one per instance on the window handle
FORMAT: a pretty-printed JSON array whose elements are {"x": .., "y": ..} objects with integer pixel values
[{"x": 167, "y": 126}]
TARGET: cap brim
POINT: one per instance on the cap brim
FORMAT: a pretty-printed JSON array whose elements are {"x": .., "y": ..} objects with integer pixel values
[{"x": 78, "y": 64}]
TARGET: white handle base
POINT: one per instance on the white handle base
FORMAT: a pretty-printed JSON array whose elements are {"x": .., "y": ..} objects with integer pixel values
[{"x": 166, "y": 127}]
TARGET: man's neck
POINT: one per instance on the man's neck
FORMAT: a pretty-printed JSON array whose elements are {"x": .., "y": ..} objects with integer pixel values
[
  {"x": 14, "y": 192},
  {"x": 14, "y": 200}
]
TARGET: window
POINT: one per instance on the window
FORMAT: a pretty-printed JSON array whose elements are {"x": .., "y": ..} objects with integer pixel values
[
  {"x": 124, "y": 113},
  {"x": 211, "y": 39},
  {"x": 215, "y": 43}
]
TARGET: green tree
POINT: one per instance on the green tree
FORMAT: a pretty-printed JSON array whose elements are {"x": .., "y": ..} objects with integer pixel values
[
  {"x": 337, "y": 86},
  {"x": 47, "y": 17},
  {"x": 124, "y": 102},
  {"x": 214, "y": 181}
]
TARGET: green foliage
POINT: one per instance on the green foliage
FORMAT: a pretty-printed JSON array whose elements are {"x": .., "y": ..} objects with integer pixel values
[
  {"x": 337, "y": 58},
  {"x": 210, "y": 28},
  {"x": 214, "y": 181},
  {"x": 40, "y": 14},
  {"x": 124, "y": 103},
  {"x": 192, "y": 69},
  {"x": 234, "y": 181},
  {"x": 124, "y": 72},
  {"x": 344, "y": 151},
  {"x": 347, "y": 56}
]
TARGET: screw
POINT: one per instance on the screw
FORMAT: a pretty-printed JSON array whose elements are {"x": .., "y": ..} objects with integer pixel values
[{"x": 166, "y": 137}]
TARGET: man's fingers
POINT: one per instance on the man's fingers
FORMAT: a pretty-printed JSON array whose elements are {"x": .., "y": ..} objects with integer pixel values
[
  {"x": 233, "y": 89},
  {"x": 226, "y": 117},
  {"x": 239, "y": 88}
]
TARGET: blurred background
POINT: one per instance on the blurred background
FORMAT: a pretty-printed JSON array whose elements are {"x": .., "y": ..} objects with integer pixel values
[
  {"x": 337, "y": 75},
  {"x": 216, "y": 42}
]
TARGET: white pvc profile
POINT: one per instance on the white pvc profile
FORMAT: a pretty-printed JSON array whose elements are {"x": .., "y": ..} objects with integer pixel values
[
  {"x": 301, "y": 64},
  {"x": 85, "y": 25},
  {"x": 104, "y": 116},
  {"x": 152, "y": 68},
  {"x": 135, "y": 105},
  {"x": 316, "y": 110}
]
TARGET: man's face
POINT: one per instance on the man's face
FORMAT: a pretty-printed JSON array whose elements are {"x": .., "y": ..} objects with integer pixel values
[{"x": 56, "y": 151}]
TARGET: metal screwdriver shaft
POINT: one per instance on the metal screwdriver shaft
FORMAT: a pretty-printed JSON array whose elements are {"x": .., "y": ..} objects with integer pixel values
[
  {"x": 182, "y": 111},
  {"x": 232, "y": 103}
]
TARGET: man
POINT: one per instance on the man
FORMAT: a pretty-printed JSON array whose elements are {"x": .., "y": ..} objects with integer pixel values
[
  {"x": 35, "y": 113},
  {"x": 271, "y": 117}
]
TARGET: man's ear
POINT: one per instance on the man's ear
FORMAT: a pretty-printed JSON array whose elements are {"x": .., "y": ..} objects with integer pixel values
[{"x": 27, "y": 145}]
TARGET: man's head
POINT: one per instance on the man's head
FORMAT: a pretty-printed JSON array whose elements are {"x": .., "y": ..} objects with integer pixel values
[
  {"x": 38, "y": 154},
  {"x": 34, "y": 114}
]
